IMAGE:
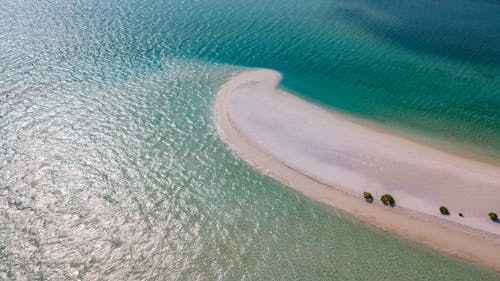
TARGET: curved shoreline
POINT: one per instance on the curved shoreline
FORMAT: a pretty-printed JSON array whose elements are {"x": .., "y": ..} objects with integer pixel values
[{"x": 466, "y": 242}]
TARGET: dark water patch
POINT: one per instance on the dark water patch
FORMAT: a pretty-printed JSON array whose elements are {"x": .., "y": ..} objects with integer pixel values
[{"x": 461, "y": 30}]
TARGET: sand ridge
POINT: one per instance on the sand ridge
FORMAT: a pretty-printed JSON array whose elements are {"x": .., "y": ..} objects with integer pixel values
[{"x": 330, "y": 158}]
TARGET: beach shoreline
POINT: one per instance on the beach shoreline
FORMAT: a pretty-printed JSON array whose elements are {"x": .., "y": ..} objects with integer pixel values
[{"x": 256, "y": 120}]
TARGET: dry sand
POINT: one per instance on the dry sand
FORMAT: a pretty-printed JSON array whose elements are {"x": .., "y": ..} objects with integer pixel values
[{"x": 333, "y": 159}]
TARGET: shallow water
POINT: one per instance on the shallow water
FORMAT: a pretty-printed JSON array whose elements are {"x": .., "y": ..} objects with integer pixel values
[{"x": 111, "y": 167}]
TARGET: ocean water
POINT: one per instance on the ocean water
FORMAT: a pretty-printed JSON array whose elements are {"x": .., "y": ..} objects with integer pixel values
[{"x": 111, "y": 167}]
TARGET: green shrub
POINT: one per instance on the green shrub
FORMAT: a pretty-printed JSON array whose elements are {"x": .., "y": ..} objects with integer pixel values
[
  {"x": 387, "y": 199},
  {"x": 493, "y": 216},
  {"x": 444, "y": 211},
  {"x": 368, "y": 196}
]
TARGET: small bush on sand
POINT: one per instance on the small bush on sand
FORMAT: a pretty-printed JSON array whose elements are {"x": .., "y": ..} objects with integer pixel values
[
  {"x": 461, "y": 215},
  {"x": 387, "y": 199},
  {"x": 368, "y": 196},
  {"x": 493, "y": 216},
  {"x": 444, "y": 211}
]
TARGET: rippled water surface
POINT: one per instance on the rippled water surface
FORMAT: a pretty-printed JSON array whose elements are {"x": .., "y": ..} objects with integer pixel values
[{"x": 111, "y": 167}]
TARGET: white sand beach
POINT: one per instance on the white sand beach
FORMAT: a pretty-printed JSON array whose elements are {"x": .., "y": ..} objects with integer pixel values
[{"x": 333, "y": 159}]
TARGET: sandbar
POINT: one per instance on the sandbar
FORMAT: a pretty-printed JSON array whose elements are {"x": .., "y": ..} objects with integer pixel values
[{"x": 331, "y": 158}]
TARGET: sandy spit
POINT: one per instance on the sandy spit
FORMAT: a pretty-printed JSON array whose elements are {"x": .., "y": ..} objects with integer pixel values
[{"x": 333, "y": 159}]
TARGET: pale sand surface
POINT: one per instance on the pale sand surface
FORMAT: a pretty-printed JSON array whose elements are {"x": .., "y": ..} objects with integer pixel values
[{"x": 331, "y": 158}]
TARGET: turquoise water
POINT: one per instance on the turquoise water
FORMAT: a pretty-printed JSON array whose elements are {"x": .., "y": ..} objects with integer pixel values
[{"x": 111, "y": 167}]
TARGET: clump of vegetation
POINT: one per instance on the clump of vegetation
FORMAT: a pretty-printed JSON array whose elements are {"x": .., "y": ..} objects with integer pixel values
[
  {"x": 368, "y": 196},
  {"x": 387, "y": 199},
  {"x": 493, "y": 216},
  {"x": 444, "y": 210},
  {"x": 461, "y": 215}
]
